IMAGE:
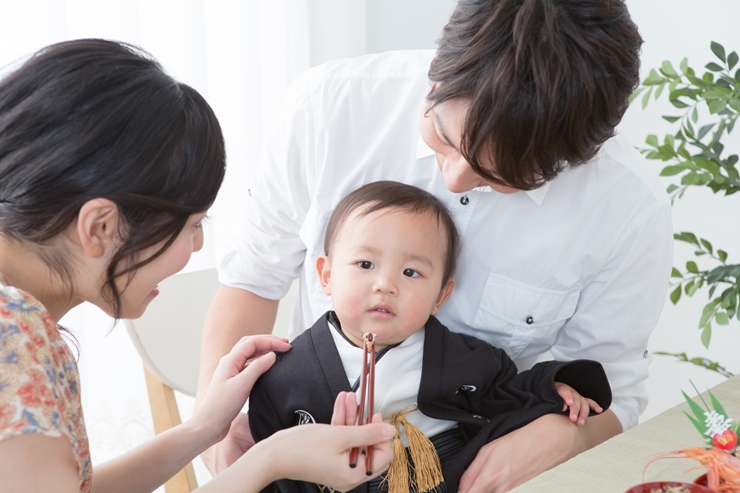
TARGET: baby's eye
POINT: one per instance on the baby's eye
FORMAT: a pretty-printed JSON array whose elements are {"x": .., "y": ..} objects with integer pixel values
[
  {"x": 365, "y": 264},
  {"x": 410, "y": 273}
]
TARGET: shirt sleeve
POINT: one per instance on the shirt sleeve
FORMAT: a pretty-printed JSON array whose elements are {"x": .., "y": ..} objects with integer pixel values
[
  {"x": 618, "y": 310},
  {"x": 268, "y": 252},
  {"x": 31, "y": 399}
]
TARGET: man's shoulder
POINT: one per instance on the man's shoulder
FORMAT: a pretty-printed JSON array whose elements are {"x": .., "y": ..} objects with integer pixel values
[
  {"x": 621, "y": 153},
  {"x": 618, "y": 178},
  {"x": 391, "y": 64}
]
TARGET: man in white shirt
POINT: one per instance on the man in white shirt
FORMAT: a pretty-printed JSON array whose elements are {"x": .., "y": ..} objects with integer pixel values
[{"x": 566, "y": 236}]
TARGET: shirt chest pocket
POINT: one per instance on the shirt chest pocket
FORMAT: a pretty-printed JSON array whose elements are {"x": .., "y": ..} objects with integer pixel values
[{"x": 520, "y": 315}]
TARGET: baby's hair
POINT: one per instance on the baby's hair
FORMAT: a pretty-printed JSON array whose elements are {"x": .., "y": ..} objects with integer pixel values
[
  {"x": 382, "y": 195},
  {"x": 92, "y": 118}
]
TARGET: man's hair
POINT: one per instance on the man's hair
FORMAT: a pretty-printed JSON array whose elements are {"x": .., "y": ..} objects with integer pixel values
[
  {"x": 547, "y": 80},
  {"x": 381, "y": 195}
]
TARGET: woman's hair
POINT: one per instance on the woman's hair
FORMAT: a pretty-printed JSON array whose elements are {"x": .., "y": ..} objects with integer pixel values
[
  {"x": 381, "y": 195},
  {"x": 92, "y": 119},
  {"x": 547, "y": 81}
]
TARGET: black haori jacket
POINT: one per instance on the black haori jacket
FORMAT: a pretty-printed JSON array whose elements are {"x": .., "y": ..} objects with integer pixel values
[{"x": 310, "y": 376}]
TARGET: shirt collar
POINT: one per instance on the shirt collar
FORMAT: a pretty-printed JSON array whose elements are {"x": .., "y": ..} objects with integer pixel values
[{"x": 537, "y": 195}]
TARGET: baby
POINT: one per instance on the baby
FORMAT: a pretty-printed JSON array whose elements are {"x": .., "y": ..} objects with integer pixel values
[{"x": 390, "y": 254}]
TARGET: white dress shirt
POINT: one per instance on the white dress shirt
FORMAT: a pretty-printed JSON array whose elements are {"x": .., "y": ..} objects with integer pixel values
[{"x": 578, "y": 267}]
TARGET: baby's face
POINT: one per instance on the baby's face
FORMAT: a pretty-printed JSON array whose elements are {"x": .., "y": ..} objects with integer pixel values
[{"x": 385, "y": 274}]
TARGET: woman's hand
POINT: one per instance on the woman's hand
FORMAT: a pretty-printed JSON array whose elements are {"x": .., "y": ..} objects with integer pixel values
[
  {"x": 320, "y": 453},
  {"x": 233, "y": 381}
]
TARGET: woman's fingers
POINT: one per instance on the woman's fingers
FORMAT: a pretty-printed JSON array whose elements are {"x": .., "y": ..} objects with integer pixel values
[
  {"x": 246, "y": 350},
  {"x": 339, "y": 416}
]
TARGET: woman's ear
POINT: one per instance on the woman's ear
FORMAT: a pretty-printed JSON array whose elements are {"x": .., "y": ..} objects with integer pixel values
[
  {"x": 323, "y": 267},
  {"x": 444, "y": 293},
  {"x": 97, "y": 227}
]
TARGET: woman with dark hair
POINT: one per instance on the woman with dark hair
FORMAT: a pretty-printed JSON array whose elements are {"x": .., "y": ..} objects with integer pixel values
[{"x": 107, "y": 169}]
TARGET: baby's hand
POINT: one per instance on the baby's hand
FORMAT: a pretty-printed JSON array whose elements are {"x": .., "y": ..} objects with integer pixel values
[{"x": 579, "y": 406}]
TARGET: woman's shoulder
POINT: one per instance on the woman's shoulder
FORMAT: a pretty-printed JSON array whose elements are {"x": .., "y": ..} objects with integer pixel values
[
  {"x": 39, "y": 380},
  {"x": 23, "y": 317}
]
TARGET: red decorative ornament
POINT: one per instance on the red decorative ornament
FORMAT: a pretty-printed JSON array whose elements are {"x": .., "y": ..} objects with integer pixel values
[{"x": 727, "y": 440}]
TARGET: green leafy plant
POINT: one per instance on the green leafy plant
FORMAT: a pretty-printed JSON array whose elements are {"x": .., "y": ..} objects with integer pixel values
[
  {"x": 713, "y": 423},
  {"x": 696, "y": 156}
]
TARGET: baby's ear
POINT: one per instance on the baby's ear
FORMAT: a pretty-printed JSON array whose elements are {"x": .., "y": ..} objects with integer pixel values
[
  {"x": 444, "y": 293},
  {"x": 323, "y": 267}
]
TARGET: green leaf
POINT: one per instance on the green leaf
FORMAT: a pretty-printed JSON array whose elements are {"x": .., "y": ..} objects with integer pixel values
[
  {"x": 732, "y": 60},
  {"x": 659, "y": 91},
  {"x": 722, "y": 255},
  {"x": 695, "y": 115},
  {"x": 706, "y": 314},
  {"x": 695, "y": 408},
  {"x": 687, "y": 237},
  {"x": 671, "y": 119},
  {"x": 691, "y": 267},
  {"x": 706, "y": 335},
  {"x": 671, "y": 188},
  {"x": 676, "y": 295},
  {"x": 721, "y": 318},
  {"x": 713, "y": 67},
  {"x": 653, "y": 79},
  {"x": 716, "y": 405},
  {"x": 667, "y": 69},
  {"x": 676, "y": 273},
  {"x": 672, "y": 170},
  {"x": 692, "y": 289},
  {"x": 652, "y": 140},
  {"x": 679, "y": 104},
  {"x": 636, "y": 93},
  {"x": 707, "y": 245},
  {"x": 735, "y": 104},
  {"x": 703, "y": 130},
  {"x": 684, "y": 65},
  {"x": 718, "y": 50},
  {"x": 699, "y": 425},
  {"x": 715, "y": 106},
  {"x": 646, "y": 97}
]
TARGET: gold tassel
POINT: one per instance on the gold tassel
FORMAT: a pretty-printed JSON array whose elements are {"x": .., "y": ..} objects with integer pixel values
[
  {"x": 397, "y": 476},
  {"x": 427, "y": 467}
]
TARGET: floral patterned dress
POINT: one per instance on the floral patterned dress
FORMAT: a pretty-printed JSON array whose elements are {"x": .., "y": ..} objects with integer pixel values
[{"x": 39, "y": 380}]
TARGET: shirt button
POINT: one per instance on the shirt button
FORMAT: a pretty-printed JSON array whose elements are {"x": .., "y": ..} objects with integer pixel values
[
  {"x": 464, "y": 200},
  {"x": 529, "y": 320}
]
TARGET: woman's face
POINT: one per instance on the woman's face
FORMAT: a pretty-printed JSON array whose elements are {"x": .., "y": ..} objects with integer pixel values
[
  {"x": 143, "y": 286},
  {"x": 441, "y": 129}
]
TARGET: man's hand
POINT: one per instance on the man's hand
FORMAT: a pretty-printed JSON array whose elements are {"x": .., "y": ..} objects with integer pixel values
[
  {"x": 227, "y": 451},
  {"x": 523, "y": 454}
]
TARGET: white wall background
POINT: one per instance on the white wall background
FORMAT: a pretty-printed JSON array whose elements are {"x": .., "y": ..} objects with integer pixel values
[{"x": 241, "y": 54}]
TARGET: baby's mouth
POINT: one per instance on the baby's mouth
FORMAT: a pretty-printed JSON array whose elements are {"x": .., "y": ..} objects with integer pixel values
[{"x": 382, "y": 309}]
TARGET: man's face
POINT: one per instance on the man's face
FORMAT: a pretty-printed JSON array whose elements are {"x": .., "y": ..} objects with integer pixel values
[{"x": 442, "y": 128}]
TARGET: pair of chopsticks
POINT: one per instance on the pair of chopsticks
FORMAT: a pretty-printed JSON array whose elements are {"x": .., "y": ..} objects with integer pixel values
[{"x": 367, "y": 389}]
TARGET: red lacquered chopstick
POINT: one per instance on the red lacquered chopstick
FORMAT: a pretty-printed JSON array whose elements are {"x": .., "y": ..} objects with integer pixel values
[
  {"x": 367, "y": 389},
  {"x": 370, "y": 400}
]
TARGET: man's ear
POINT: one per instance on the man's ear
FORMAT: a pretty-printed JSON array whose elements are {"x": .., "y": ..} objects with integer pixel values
[
  {"x": 97, "y": 227},
  {"x": 444, "y": 293},
  {"x": 323, "y": 267}
]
